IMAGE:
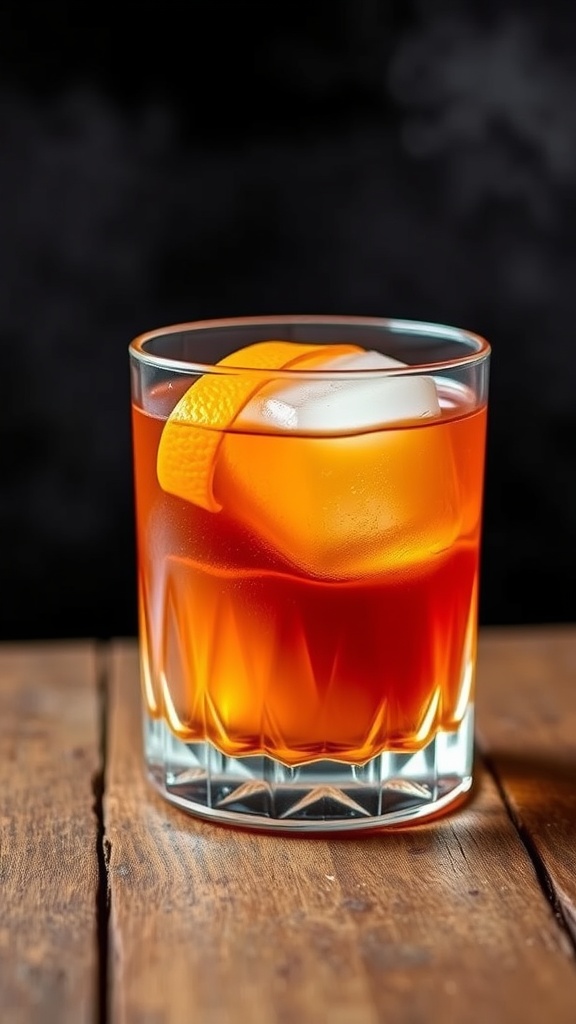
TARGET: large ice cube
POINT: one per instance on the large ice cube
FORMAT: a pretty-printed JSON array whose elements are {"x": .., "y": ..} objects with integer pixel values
[
  {"x": 344, "y": 405},
  {"x": 349, "y": 478}
]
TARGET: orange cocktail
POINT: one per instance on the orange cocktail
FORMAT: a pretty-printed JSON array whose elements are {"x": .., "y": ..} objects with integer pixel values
[{"x": 308, "y": 522}]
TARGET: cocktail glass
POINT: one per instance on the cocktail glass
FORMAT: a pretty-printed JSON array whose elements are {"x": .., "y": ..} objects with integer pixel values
[{"x": 308, "y": 499}]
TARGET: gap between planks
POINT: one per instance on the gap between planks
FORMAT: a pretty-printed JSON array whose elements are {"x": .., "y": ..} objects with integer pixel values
[
  {"x": 103, "y": 657},
  {"x": 543, "y": 877}
]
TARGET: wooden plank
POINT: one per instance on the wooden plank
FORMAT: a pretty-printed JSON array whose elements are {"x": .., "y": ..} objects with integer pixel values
[
  {"x": 209, "y": 924},
  {"x": 48, "y": 834},
  {"x": 527, "y": 727}
]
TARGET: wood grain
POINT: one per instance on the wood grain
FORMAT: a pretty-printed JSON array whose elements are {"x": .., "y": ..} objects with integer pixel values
[
  {"x": 211, "y": 924},
  {"x": 48, "y": 834},
  {"x": 527, "y": 727}
]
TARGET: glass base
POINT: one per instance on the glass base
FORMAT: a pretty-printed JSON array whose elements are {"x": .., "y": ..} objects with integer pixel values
[{"x": 261, "y": 793}]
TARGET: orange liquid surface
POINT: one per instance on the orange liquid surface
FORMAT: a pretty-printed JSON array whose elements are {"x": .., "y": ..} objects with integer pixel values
[{"x": 295, "y": 631}]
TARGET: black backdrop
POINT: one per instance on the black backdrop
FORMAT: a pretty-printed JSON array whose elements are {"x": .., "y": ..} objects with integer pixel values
[{"x": 413, "y": 159}]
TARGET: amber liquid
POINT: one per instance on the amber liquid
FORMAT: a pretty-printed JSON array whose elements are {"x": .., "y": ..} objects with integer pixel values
[{"x": 258, "y": 654}]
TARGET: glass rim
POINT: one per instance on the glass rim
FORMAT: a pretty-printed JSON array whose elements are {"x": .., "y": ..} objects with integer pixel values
[{"x": 480, "y": 347}]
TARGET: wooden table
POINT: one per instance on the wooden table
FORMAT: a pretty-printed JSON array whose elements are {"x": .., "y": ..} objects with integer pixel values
[{"x": 117, "y": 907}]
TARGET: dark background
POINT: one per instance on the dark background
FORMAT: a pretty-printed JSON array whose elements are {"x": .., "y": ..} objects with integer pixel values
[{"x": 403, "y": 159}]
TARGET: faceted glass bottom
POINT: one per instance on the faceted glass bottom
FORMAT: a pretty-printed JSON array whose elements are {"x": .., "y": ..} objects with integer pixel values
[{"x": 261, "y": 793}]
